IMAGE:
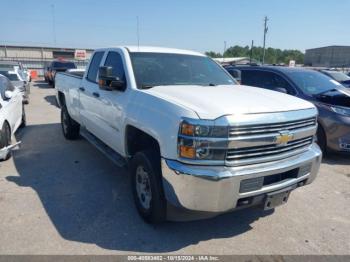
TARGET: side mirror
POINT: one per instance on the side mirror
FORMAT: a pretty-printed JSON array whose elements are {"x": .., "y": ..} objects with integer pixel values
[
  {"x": 107, "y": 81},
  {"x": 8, "y": 94},
  {"x": 281, "y": 90},
  {"x": 236, "y": 74}
]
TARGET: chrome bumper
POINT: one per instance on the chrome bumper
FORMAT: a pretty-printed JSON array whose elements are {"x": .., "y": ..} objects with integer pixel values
[{"x": 217, "y": 188}]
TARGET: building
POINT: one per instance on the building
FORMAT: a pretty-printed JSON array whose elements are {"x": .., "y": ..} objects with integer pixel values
[
  {"x": 329, "y": 56},
  {"x": 37, "y": 58}
]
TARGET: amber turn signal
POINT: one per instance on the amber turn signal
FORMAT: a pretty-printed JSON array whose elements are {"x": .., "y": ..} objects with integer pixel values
[{"x": 187, "y": 152}]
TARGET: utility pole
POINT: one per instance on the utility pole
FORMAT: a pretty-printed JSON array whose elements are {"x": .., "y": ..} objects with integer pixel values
[
  {"x": 251, "y": 52},
  {"x": 53, "y": 23},
  {"x": 223, "y": 54},
  {"x": 265, "y": 32}
]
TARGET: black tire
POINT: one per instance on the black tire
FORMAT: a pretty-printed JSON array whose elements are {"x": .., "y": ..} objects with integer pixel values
[
  {"x": 5, "y": 139},
  {"x": 24, "y": 118},
  {"x": 70, "y": 128},
  {"x": 149, "y": 160},
  {"x": 322, "y": 139}
]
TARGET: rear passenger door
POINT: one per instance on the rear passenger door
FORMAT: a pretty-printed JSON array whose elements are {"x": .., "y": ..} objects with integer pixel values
[
  {"x": 88, "y": 94},
  {"x": 10, "y": 108}
]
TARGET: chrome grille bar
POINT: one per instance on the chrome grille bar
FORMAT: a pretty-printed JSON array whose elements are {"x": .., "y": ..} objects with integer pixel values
[
  {"x": 234, "y": 154},
  {"x": 263, "y": 129}
]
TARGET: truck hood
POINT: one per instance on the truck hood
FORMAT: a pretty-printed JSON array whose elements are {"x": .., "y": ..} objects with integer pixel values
[{"x": 211, "y": 102}]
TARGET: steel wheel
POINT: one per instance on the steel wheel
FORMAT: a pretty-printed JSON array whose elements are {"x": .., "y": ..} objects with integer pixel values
[{"x": 143, "y": 187}]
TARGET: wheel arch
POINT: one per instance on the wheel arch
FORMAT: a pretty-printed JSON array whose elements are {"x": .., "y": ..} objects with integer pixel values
[{"x": 137, "y": 140}]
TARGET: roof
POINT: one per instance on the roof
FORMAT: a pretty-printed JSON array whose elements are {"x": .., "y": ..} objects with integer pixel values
[
  {"x": 330, "y": 46},
  {"x": 154, "y": 49},
  {"x": 15, "y": 63},
  {"x": 230, "y": 59},
  {"x": 44, "y": 47},
  {"x": 283, "y": 69}
]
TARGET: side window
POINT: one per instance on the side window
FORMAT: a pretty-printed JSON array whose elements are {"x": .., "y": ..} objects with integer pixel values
[
  {"x": 2, "y": 87},
  {"x": 94, "y": 66},
  {"x": 251, "y": 78},
  {"x": 115, "y": 61},
  {"x": 264, "y": 79}
]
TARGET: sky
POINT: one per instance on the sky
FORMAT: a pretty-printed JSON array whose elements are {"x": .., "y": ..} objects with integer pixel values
[{"x": 202, "y": 25}]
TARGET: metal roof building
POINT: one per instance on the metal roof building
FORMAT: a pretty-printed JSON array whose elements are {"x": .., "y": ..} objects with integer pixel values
[
  {"x": 329, "y": 56},
  {"x": 37, "y": 57}
]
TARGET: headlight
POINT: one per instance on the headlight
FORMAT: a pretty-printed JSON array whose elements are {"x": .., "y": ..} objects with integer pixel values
[
  {"x": 199, "y": 130},
  {"x": 202, "y": 141},
  {"x": 341, "y": 110}
]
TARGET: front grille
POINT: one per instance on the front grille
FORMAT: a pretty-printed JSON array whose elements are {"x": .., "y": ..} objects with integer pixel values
[
  {"x": 271, "y": 128},
  {"x": 265, "y": 151}
]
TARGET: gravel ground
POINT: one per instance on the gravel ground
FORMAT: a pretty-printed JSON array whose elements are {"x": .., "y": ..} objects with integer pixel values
[{"x": 65, "y": 197}]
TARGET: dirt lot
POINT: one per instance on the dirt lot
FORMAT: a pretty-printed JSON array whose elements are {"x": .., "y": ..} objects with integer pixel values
[{"x": 65, "y": 197}]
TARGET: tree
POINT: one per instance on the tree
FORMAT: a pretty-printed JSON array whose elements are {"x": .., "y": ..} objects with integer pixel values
[{"x": 272, "y": 56}]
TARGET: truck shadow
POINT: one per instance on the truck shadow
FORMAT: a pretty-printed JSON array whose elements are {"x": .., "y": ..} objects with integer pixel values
[
  {"x": 337, "y": 159},
  {"x": 88, "y": 198},
  {"x": 51, "y": 99},
  {"x": 41, "y": 84}
]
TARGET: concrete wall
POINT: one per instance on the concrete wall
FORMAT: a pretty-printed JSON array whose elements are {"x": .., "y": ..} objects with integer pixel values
[{"x": 331, "y": 56}]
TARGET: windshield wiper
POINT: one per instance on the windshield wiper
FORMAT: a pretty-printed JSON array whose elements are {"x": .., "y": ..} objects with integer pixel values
[
  {"x": 326, "y": 91},
  {"x": 212, "y": 84},
  {"x": 146, "y": 86}
]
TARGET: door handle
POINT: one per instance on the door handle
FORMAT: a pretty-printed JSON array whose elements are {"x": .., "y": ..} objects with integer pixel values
[
  {"x": 82, "y": 89},
  {"x": 95, "y": 94}
]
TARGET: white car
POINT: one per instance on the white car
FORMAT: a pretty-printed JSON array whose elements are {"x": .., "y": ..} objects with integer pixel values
[{"x": 12, "y": 116}]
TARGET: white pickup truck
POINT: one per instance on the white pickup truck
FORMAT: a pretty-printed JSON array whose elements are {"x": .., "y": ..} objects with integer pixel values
[{"x": 191, "y": 137}]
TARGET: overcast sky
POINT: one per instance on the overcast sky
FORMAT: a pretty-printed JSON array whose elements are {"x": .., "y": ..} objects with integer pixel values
[{"x": 201, "y": 25}]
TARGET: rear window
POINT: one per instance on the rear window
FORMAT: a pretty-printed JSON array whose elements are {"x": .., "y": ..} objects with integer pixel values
[{"x": 67, "y": 65}]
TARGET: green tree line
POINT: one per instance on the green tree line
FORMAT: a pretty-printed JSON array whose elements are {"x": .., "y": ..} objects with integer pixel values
[{"x": 272, "y": 55}]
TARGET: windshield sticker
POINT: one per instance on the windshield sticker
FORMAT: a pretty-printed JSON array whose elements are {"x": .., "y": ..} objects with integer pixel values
[{"x": 335, "y": 82}]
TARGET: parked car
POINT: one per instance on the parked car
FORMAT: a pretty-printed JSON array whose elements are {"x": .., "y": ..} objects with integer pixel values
[
  {"x": 338, "y": 76},
  {"x": 191, "y": 137},
  {"x": 57, "y": 66},
  {"x": 12, "y": 116},
  {"x": 330, "y": 97},
  {"x": 18, "y": 82}
]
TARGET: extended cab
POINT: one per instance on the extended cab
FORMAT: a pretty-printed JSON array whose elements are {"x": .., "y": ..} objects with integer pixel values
[{"x": 192, "y": 137}]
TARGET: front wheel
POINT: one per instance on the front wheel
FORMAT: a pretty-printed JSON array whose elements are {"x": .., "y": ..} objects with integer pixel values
[
  {"x": 24, "y": 118},
  {"x": 70, "y": 128},
  {"x": 146, "y": 182},
  {"x": 5, "y": 139},
  {"x": 322, "y": 140}
]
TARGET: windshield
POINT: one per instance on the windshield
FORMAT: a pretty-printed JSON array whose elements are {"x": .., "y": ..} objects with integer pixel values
[
  {"x": 154, "y": 69},
  {"x": 312, "y": 82},
  {"x": 68, "y": 65},
  {"x": 339, "y": 76},
  {"x": 10, "y": 76}
]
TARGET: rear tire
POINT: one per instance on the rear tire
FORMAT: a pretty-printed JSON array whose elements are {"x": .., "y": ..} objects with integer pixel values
[
  {"x": 24, "y": 118},
  {"x": 5, "y": 139},
  {"x": 147, "y": 187},
  {"x": 70, "y": 128},
  {"x": 322, "y": 139}
]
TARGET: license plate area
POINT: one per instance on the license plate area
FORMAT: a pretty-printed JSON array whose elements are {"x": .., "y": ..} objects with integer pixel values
[{"x": 277, "y": 198}]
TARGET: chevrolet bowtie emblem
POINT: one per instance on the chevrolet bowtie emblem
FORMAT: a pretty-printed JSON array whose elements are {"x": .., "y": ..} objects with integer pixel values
[{"x": 283, "y": 138}]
